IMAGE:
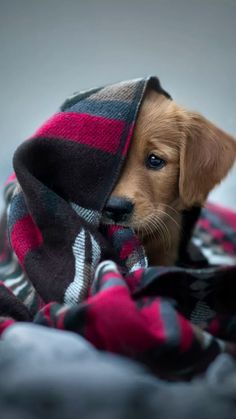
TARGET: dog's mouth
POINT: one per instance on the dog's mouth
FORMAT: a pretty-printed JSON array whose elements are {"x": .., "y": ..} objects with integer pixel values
[
  {"x": 123, "y": 212},
  {"x": 105, "y": 220},
  {"x": 138, "y": 228}
]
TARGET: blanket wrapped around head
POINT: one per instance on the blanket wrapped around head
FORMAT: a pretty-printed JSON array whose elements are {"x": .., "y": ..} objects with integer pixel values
[{"x": 61, "y": 268}]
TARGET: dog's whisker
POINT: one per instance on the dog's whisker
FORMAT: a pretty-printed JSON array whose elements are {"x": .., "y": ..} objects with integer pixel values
[
  {"x": 154, "y": 231},
  {"x": 156, "y": 225},
  {"x": 171, "y": 208},
  {"x": 166, "y": 234},
  {"x": 168, "y": 215},
  {"x": 144, "y": 229}
]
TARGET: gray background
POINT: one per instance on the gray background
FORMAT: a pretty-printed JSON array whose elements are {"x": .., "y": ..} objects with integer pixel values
[{"x": 49, "y": 49}]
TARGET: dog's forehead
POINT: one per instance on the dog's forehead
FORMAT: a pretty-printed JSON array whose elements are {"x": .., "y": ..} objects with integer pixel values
[{"x": 158, "y": 117}]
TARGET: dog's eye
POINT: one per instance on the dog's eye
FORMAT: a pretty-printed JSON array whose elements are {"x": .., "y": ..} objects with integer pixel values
[{"x": 154, "y": 162}]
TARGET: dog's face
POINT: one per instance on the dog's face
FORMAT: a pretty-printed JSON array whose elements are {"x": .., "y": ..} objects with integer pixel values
[
  {"x": 176, "y": 157},
  {"x": 150, "y": 176}
]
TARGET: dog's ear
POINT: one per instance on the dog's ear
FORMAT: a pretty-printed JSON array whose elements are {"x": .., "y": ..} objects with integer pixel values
[{"x": 207, "y": 153}]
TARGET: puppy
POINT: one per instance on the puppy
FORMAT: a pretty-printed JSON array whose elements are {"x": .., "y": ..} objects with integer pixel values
[{"x": 175, "y": 159}]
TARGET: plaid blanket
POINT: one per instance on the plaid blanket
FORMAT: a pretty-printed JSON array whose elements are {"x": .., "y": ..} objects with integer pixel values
[{"x": 60, "y": 268}]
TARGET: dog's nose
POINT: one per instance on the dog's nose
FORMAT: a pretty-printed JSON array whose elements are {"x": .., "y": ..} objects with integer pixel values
[{"x": 118, "y": 209}]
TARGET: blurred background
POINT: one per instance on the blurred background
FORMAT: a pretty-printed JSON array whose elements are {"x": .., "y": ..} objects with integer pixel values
[{"x": 52, "y": 48}]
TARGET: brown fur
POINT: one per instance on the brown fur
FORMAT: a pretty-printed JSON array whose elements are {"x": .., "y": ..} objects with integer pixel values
[{"x": 198, "y": 156}]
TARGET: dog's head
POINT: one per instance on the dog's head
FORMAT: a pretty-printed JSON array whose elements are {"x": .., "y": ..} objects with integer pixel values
[{"x": 176, "y": 157}]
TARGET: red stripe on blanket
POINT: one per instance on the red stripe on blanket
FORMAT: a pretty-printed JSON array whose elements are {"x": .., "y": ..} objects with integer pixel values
[
  {"x": 25, "y": 237},
  {"x": 4, "y": 324},
  {"x": 134, "y": 279},
  {"x": 226, "y": 214},
  {"x": 95, "y": 131},
  {"x": 154, "y": 321},
  {"x": 112, "y": 229},
  {"x": 10, "y": 179},
  {"x": 187, "y": 333},
  {"x": 114, "y": 323},
  {"x": 129, "y": 136},
  {"x": 128, "y": 248}
]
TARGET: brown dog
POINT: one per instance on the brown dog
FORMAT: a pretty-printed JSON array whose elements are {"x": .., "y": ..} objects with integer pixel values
[{"x": 176, "y": 157}]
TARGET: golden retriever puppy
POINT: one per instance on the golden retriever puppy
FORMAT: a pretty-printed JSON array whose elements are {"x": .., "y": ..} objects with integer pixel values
[{"x": 176, "y": 157}]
